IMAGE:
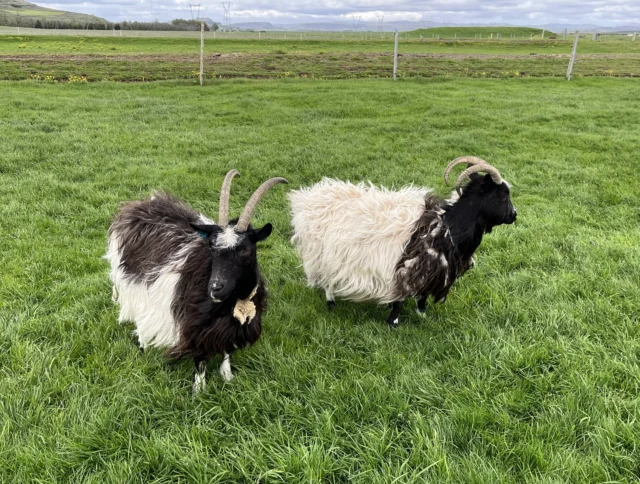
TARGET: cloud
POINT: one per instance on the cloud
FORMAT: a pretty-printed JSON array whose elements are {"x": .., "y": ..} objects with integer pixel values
[{"x": 525, "y": 12}]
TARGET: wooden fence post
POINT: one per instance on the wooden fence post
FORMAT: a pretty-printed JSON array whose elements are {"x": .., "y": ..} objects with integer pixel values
[
  {"x": 201, "y": 52},
  {"x": 395, "y": 56},
  {"x": 573, "y": 54}
]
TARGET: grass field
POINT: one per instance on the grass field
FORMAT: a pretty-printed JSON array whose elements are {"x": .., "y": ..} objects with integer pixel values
[
  {"x": 150, "y": 59},
  {"x": 528, "y": 373},
  {"x": 466, "y": 32}
]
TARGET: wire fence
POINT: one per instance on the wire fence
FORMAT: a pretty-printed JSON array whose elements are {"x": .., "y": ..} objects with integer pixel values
[
  {"x": 127, "y": 56},
  {"x": 317, "y": 35}
]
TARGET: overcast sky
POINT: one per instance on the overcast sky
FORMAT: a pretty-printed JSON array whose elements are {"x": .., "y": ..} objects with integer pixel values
[{"x": 520, "y": 12}]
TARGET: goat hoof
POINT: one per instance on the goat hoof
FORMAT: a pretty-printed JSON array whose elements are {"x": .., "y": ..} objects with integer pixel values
[
  {"x": 331, "y": 305},
  {"x": 393, "y": 323},
  {"x": 227, "y": 376},
  {"x": 198, "y": 385},
  {"x": 422, "y": 313}
]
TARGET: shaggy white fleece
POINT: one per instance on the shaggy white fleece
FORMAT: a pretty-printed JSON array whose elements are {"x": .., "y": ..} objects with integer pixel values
[{"x": 350, "y": 237}]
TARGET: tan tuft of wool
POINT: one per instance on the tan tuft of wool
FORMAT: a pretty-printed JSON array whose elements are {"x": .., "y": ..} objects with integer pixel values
[{"x": 245, "y": 309}]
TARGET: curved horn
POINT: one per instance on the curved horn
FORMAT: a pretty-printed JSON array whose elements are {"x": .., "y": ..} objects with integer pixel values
[
  {"x": 223, "y": 211},
  {"x": 486, "y": 167},
  {"x": 247, "y": 213},
  {"x": 469, "y": 160}
]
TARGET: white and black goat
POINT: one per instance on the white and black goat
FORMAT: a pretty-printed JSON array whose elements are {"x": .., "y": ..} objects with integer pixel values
[
  {"x": 361, "y": 242},
  {"x": 189, "y": 285}
]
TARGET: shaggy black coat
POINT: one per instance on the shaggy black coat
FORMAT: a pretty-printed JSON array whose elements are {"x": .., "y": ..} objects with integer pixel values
[
  {"x": 446, "y": 236},
  {"x": 431, "y": 261},
  {"x": 157, "y": 233}
]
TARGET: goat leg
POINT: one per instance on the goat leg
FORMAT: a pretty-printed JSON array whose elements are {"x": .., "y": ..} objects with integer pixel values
[
  {"x": 225, "y": 367},
  {"x": 422, "y": 306},
  {"x": 331, "y": 303},
  {"x": 392, "y": 320},
  {"x": 201, "y": 369}
]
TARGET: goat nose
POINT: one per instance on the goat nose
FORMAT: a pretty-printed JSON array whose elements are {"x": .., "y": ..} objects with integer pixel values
[{"x": 217, "y": 287}]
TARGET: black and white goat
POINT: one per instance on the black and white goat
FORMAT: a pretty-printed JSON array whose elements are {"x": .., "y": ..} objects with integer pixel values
[
  {"x": 189, "y": 285},
  {"x": 362, "y": 243}
]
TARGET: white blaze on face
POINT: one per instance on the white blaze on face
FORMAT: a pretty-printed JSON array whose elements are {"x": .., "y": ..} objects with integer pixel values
[{"x": 227, "y": 239}]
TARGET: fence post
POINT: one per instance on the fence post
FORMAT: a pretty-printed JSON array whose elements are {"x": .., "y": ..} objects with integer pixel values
[
  {"x": 595, "y": 36},
  {"x": 564, "y": 36},
  {"x": 633, "y": 39},
  {"x": 395, "y": 56},
  {"x": 201, "y": 51},
  {"x": 543, "y": 34},
  {"x": 573, "y": 54}
]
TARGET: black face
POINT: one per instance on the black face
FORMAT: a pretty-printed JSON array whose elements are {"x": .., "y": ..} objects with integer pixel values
[
  {"x": 234, "y": 265},
  {"x": 494, "y": 200},
  {"x": 497, "y": 208}
]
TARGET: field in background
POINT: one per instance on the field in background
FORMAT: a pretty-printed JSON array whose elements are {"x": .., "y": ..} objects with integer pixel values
[
  {"x": 231, "y": 55},
  {"x": 528, "y": 373},
  {"x": 486, "y": 32}
]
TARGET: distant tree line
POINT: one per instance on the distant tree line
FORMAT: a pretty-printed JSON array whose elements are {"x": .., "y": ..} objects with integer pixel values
[{"x": 176, "y": 24}]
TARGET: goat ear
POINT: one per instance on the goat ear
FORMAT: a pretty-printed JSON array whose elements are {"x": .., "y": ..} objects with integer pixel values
[
  {"x": 261, "y": 234},
  {"x": 207, "y": 229}
]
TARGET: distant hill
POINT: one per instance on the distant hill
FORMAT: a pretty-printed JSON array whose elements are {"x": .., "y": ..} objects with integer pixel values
[
  {"x": 406, "y": 25},
  {"x": 17, "y": 12}
]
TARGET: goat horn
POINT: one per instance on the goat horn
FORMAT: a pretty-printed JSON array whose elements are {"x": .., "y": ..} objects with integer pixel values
[
  {"x": 486, "y": 167},
  {"x": 469, "y": 160},
  {"x": 225, "y": 191},
  {"x": 247, "y": 213}
]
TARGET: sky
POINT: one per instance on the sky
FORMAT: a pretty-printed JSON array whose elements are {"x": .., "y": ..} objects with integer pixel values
[{"x": 516, "y": 12}]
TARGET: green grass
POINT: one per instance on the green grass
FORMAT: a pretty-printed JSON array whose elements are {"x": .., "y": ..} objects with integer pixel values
[
  {"x": 109, "y": 45},
  {"x": 150, "y": 59},
  {"x": 528, "y": 373},
  {"x": 33, "y": 13},
  {"x": 471, "y": 32}
]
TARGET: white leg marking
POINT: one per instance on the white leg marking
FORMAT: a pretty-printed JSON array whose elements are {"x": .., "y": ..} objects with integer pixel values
[
  {"x": 395, "y": 322},
  {"x": 225, "y": 368},
  {"x": 199, "y": 383}
]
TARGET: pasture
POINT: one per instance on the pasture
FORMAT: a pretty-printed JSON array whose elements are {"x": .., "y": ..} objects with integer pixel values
[
  {"x": 304, "y": 55},
  {"x": 528, "y": 373}
]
